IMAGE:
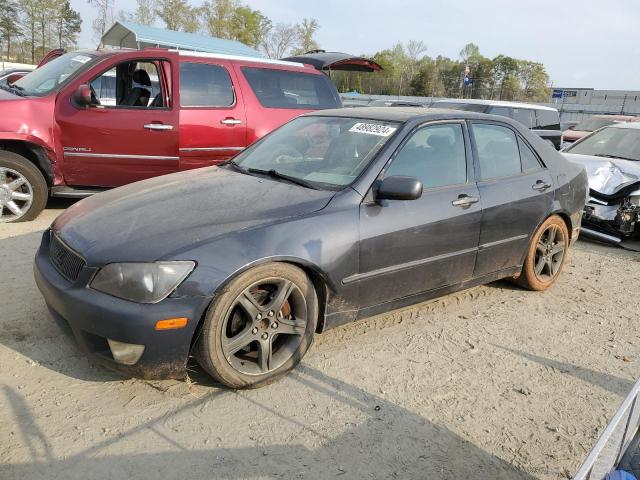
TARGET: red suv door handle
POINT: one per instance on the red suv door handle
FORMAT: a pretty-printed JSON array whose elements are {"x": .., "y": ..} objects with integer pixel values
[
  {"x": 158, "y": 126},
  {"x": 230, "y": 121}
]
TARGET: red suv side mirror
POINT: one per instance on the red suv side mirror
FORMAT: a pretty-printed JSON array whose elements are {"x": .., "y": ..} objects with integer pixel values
[{"x": 82, "y": 96}]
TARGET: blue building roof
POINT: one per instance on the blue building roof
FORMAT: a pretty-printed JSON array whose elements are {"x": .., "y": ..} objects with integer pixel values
[{"x": 133, "y": 35}]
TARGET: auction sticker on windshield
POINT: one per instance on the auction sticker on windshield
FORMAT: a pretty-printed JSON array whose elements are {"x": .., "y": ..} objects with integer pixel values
[
  {"x": 373, "y": 129},
  {"x": 81, "y": 58}
]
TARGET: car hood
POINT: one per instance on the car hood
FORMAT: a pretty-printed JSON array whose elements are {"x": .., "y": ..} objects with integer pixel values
[
  {"x": 607, "y": 175},
  {"x": 8, "y": 96},
  {"x": 163, "y": 216}
]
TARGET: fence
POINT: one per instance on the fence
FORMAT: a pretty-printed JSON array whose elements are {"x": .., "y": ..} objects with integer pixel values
[{"x": 627, "y": 104}]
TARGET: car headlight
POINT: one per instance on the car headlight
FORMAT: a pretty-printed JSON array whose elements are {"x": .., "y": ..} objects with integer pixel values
[{"x": 141, "y": 282}]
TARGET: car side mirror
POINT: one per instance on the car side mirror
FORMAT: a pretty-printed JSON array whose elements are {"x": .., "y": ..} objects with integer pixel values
[
  {"x": 399, "y": 188},
  {"x": 82, "y": 95}
]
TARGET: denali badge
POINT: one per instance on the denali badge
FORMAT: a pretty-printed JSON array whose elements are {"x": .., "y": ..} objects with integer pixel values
[{"x": 76, "y": 149}]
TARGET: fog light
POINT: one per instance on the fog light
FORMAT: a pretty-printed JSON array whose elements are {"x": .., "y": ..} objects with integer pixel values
[{"x": 125, "y": 353}]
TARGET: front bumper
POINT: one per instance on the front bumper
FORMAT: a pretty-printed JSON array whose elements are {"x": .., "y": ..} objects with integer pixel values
[{"x": 92, "y": 317}]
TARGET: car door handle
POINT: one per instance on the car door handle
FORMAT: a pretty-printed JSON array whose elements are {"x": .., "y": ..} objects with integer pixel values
[
  {"x": 465, "y": 201},
  {"x": 158, "y": 126},
  {"x": 540, "y": 186},
  {"x": 230, "y": 121}
]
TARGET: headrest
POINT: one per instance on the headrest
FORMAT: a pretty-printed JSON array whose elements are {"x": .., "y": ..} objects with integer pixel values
[{"x": 141, "y": 77}]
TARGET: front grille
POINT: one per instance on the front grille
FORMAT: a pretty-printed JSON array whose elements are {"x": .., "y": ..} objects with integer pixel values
[{"x": 66, "y": 261}]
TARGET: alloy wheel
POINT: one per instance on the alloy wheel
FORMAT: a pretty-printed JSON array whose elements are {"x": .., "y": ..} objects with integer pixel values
[
  {"x": 264, "y": 326},
  {"x": 549, "y": 253},
  {"x": 16, "y": 195}
]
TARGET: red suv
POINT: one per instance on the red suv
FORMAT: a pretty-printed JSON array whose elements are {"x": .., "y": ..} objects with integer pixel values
[{"x": 92, "y": 120}]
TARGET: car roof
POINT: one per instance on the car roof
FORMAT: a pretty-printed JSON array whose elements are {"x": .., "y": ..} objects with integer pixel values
[
  {"x": 242, "y": 59},
  {"x": 219, "y": 56},
  {"x": 405, "y": 114},
  {"x": 495, "y": 103}
]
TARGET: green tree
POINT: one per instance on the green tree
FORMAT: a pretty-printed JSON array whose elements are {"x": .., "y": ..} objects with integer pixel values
[
  {"x": 30, "y": 10},
  {"x": 10, "y": 28},
  {"x": 68, "y": 24},
  {"x": 306, "y": 36},
  {"x": 534, "y": 81},
  {"x": 178, "y": 15},
  {"x": 104, "y": 18},
  {"x": 234, "y": 21},
  {"x": 279, "y": 40},
  {"x": 249, "y": 26},
  {"x": 144, "y": 14}
]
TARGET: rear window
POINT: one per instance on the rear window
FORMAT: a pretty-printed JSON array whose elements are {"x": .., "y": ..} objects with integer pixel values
[
  {"x": 548, "y": 119},
  {"x": 293, "y": 90}
]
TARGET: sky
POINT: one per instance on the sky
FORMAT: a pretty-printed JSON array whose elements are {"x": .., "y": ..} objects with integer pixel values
[{"x": 586, "y": 43}]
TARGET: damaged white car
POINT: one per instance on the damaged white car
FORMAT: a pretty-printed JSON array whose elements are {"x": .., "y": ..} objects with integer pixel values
[{"x": 611, "y": 157}]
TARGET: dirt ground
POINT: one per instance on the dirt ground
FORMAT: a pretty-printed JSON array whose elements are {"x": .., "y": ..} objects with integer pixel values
[{"x": 489, "y": 383}]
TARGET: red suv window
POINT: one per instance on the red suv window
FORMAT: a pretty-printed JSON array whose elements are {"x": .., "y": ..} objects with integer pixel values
[{"x": 287, "y": 89}]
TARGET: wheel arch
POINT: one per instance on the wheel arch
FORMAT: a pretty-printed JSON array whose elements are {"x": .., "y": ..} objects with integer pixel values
[
  {"x": 32, "y": 152},
  {"x": 318, "y": 277},
  {"x": 560, "y": 213}
]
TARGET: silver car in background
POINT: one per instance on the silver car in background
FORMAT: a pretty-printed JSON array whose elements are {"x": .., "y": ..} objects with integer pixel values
[{"x": 611, "y": 157}]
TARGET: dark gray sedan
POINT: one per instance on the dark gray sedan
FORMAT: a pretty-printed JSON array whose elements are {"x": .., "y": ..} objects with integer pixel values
[{"x": 336, "y": 216}]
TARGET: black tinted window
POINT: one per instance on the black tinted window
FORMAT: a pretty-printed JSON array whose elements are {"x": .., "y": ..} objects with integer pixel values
[
  {"x": 529, "y": 159},
  {"x": 468, "y": 107},
  {"x": 502, "y": 111},
  {"x": 434, "y": 155},
  {"x": 524, "y": 116},
  {"x": 286, "y": 89},
  {"x": 498, "y": 152},
  {"x": 203, "y": 85},
  {"x": 548, "y": 119}
]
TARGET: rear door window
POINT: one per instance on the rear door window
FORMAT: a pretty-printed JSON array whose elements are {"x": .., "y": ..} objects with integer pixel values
[
  {"x": 205, "y": 85},
  {"x": 498, "y": 153},
  {"x": 291, "y": 90},
  {"x": 530, "y": 161},
  {"x": 547, "y": 120}
]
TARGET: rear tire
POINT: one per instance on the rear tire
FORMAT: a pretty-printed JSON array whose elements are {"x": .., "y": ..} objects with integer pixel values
[
  {"x": 259, "y": 326},
  {"x": 23, "y": 189},
  {"x": 546, "y": 255}
]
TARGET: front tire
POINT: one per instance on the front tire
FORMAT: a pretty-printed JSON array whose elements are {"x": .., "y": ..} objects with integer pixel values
[
  {"x": 23, "y": 189},
  {"x": 259, "y": 327},
  {"x": 546, "y": 255}
]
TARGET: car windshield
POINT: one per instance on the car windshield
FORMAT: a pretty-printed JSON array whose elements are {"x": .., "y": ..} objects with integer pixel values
[
  {"x": 591, "y": 124},
  {"x": 611, "y": 142},
  {"x": 46, "y": 78},
  {"x": 324, "y": 152}
]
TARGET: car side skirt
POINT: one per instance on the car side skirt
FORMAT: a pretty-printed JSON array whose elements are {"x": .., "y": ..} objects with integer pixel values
[{"x": 341, "y": 318}]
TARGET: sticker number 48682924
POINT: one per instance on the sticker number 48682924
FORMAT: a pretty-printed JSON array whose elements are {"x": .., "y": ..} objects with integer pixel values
[{"x": 373, "y": 129}]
